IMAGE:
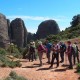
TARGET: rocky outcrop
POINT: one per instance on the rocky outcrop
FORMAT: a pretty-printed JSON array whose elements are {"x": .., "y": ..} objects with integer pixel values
[
  {"x": 25, "y": 36},
  {"x": 4, "y": 39},
  {"x": 8, "y": 24},
  {"x": 30, "y": 37},
  {"x": 46, "y": 28},
  {"x": 18, "y": 32}
]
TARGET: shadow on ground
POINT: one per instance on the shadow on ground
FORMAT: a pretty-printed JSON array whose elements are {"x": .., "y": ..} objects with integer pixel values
[
  {"x": 32, "y": 66},
  {"x": 65, "y": 65},
  {"x": 42, "y": 69},
  {"x": 23, "y": 61},
  {"x": 60, "y": 70}
]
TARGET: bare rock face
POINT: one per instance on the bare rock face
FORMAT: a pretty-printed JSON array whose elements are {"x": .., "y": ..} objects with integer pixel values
[
  {"x": 18, "y": 32},
  {"x": 8, "y": 24},
  {"x": 30, "y": 37},
  {"x": 46, "y": 28},
  {"x": 4, "y": 39},
  {"x": 25, "y": 36}
]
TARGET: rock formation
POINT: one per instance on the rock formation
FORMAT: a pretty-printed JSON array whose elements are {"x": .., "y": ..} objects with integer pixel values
[
  {"x": 46, "y": 28},
  {"x": 4, "y": 39},
  {"x": 18, "y": 32},
  {"x": 30, "y": 37}
]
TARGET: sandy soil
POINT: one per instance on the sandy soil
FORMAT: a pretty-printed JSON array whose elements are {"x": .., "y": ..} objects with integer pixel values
[{"x": 32, "y": 71}]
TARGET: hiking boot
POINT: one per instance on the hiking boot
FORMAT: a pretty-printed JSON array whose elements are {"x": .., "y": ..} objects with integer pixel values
[
  {"x": 48, "y": 62},
  {"x": 61, "y": 61},
  {"x": 40, "y": 65},
  {"x": 57, "y": 66},
  {"x": 70, "y": 67},
  {"x": 50, "y": 67}
]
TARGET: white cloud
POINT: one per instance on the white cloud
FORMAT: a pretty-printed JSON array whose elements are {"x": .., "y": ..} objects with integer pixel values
[{"x": 39, "y": 18}]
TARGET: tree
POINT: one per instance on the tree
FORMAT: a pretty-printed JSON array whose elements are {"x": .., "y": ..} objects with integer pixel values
[{"x": 75, "y": 20}]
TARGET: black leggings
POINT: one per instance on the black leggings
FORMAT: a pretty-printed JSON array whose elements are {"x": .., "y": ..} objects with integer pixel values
[
  {"x": 32, "y": 56},
  {"x": 55, "y": 56}
]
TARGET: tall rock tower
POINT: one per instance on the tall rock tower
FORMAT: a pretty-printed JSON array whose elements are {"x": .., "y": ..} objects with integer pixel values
[
  {"x": 4, "y": 38},
  {"x": 18, "y": 32}
]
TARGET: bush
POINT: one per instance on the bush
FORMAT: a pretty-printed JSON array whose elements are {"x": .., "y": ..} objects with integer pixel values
[
  {"x": 3, "y": 51},
  {"x": 78, "y": 68},
  {"x": 11, "y": 64},
  {"x": 14, "y": 76},
  {"x": 25, "y": 52},
  {"x": 13, "y": 50}
]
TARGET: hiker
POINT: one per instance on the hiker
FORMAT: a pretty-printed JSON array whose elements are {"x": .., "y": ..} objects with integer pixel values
[
  {"x": 48, "y": 46},
  {"x": 69, "y": 53},
  {"x": 55, "y": 55},
  {"x": 41, "y": 50},
  {"x": 76, "y": 53},
  {"x": 62, "y": 50},
  {"x": 32, "y": 51}
]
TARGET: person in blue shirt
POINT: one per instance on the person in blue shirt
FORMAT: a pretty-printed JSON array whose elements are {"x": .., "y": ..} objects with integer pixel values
[{"x": 48, "y": 46}]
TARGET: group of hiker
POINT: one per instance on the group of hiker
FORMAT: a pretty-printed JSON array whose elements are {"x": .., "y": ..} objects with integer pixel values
[{"x": 58, "y": 49}]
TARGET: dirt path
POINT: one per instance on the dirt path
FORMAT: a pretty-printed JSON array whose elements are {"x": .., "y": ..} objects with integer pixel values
[{"x": 32, "y": 71}]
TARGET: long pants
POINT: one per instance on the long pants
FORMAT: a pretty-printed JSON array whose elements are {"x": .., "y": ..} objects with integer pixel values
[
  {"x": 55, "y": 56},
  {"x": 40, "y": 57},
  {"x": 62, "y": 56},
  {"x": 70, "y": 60},
  {"x": 74, "y": 58},
  {"x": 48, "y": 56},
  {"x": 32, "y": 56}
]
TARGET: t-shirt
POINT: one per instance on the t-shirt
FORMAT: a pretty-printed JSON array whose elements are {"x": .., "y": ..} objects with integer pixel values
[{"x": 48, "y": 46}]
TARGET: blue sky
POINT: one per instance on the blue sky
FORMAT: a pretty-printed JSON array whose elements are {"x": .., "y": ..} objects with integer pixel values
[{"x": 33, "y": 12}]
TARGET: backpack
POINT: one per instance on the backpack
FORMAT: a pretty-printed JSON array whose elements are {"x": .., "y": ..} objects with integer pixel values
[
  {"x": 72, "y": 50},
  {"x": 42, "y": 48},
  {"x": 32, "y": 49},
  {"x": 75, "y": 48},
  {"x": 63, "y": 47}
]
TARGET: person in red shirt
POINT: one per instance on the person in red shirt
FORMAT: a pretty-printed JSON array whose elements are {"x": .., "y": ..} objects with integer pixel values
[{"x": 41, "y": 50}]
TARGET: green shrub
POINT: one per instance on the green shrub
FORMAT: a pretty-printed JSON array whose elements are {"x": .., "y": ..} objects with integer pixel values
[
  {"x": 11, "y": 64},
  {"x": 13, "y": 50},
  {"x": 25, "y": 53},
  {"x": 78, "y": 68},
  {"x": 14, "y": 76},
  {"x": 2, "y": 51}
]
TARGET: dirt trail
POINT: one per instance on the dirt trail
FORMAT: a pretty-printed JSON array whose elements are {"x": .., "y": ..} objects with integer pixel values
[{"x": 32, "y": 71}]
